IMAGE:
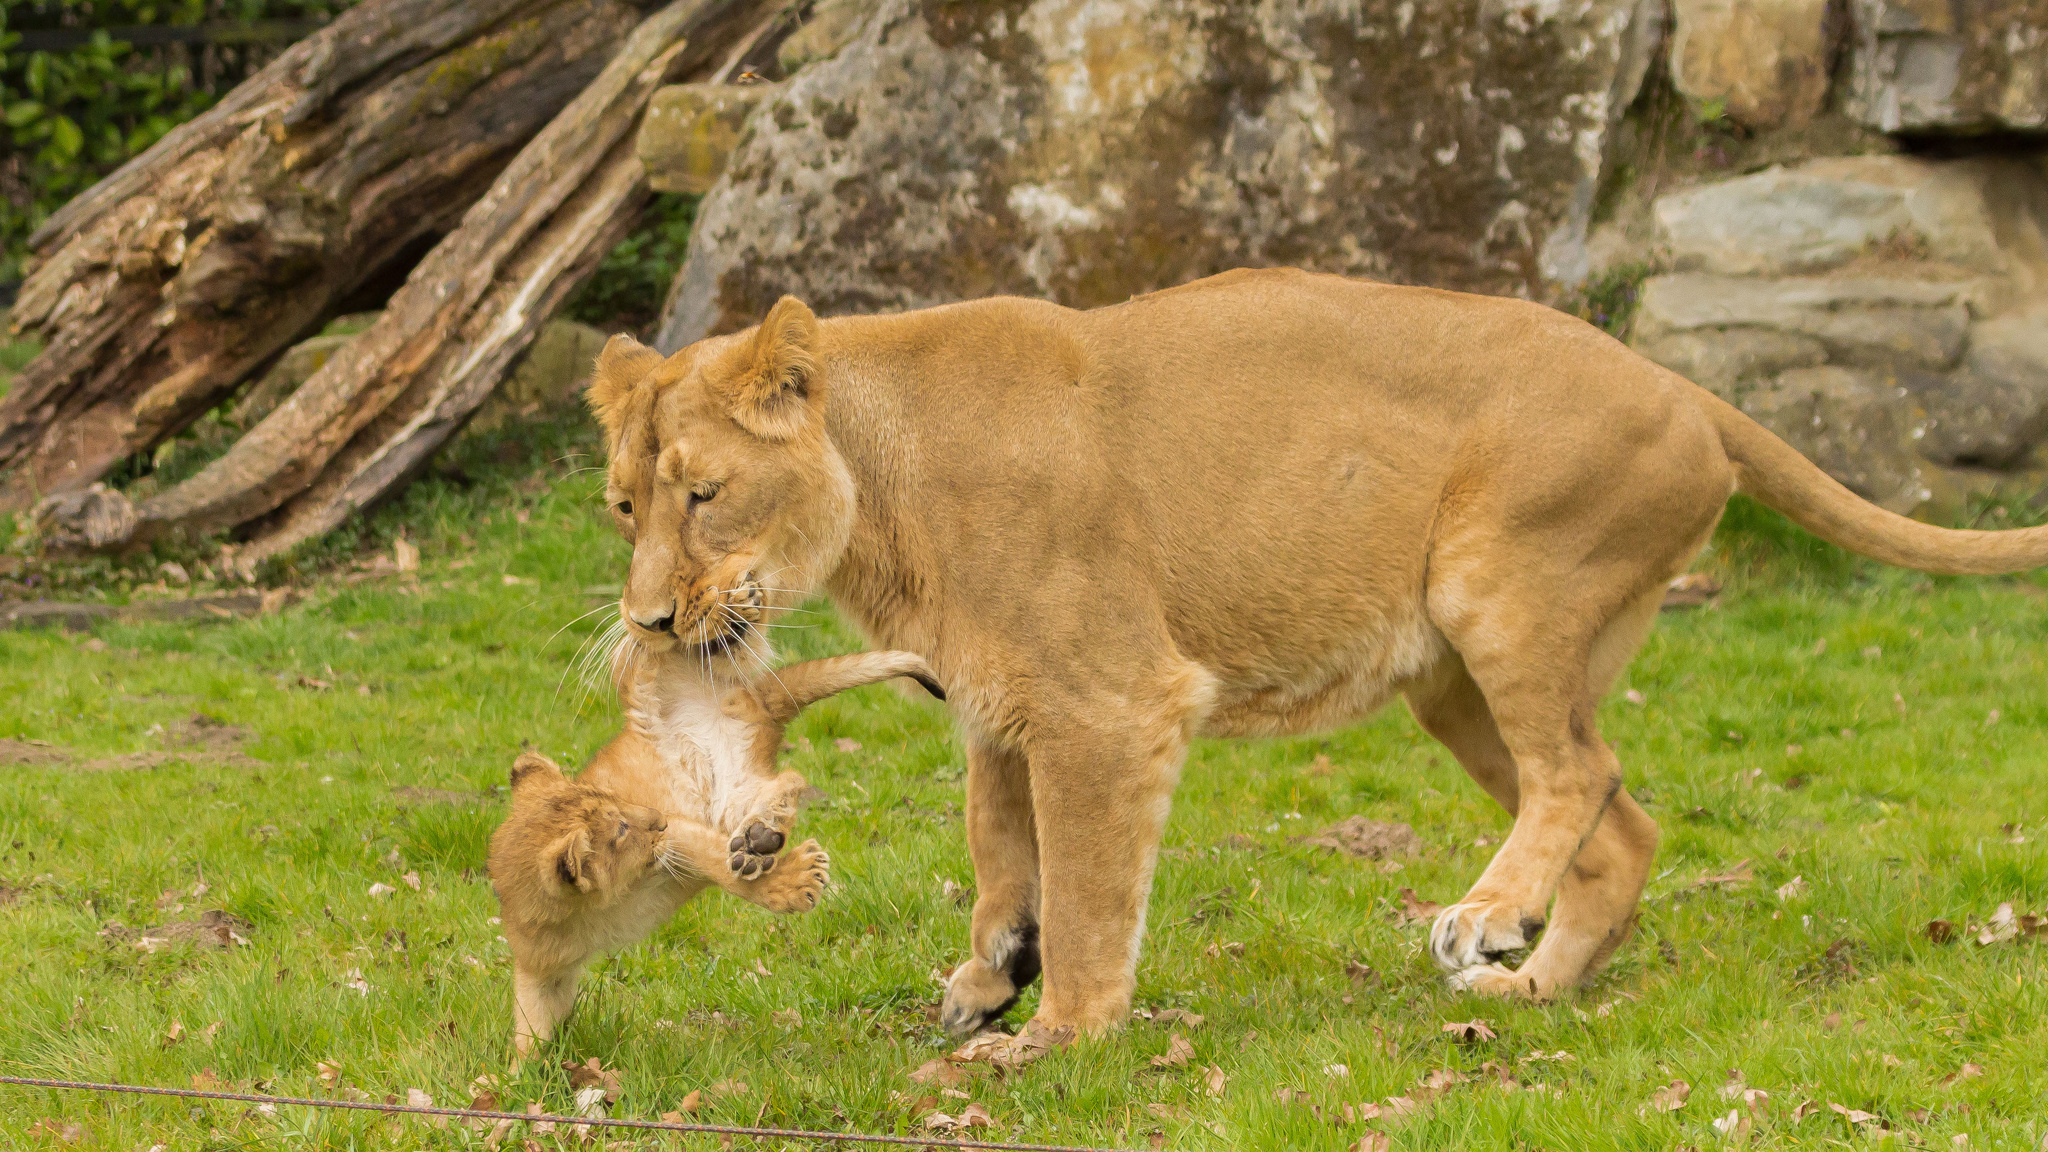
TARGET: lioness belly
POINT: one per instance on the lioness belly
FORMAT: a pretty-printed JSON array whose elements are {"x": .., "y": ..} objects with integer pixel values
[{"x": 1354, "y": 679}]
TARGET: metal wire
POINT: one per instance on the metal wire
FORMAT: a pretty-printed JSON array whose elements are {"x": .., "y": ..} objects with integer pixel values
[{"x": 593, "y": 1121}]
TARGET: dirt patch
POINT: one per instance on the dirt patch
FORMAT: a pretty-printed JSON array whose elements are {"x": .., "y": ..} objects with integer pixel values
[
  {"x": 1368, "y": 839},
  {"x": 415, "y": 797},
  {"x": 214, "y": 929},
  {"x": 14, "y": 752},
  {"x": 197, "y": 739}
]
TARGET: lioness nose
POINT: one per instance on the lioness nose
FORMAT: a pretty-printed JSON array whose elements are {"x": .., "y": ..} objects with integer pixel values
[{"x": 659, "y": 624}]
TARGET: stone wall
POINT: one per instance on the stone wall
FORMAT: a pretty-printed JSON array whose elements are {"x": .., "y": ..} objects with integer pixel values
[{"x": 1831, "y": 212}]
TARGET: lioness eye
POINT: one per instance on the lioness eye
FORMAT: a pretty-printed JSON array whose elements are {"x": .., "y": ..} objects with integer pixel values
[
  {"x": 704, "y": 494},
  {"x": 625, "y": 507}
]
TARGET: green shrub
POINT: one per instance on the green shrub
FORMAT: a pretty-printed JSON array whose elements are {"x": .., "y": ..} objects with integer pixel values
[
  {"x": 628, "y": 288},
  {"x": 69, "y": 117}
]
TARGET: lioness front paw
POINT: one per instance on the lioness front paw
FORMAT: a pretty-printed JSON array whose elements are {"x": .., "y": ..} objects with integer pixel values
[
  {"x": 1474, "y": 935},
  {"x": 753, "y": 850},
  {"x": 798, "y": 885}
]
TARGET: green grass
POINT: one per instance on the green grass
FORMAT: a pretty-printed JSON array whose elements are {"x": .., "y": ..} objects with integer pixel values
[{"x": 436, "y": 686}]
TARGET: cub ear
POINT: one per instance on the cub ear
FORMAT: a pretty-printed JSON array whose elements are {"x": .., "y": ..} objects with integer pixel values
[
  {"x": 623, "y": 363},
  {"x": 778, "y": 383},
  {"x": 574, "y": 859},
  {"x": 532, "y": 769}
]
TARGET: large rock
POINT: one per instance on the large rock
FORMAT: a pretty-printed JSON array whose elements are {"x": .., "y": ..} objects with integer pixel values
[
  {"x": 1728, "y": 361},
  {"x": 1778, "y": 222},
  {"x": 689, "y": 131},
  {"x": 1852, "y": 424},
  {"x": 1088, "y": 150},
  {"x": 1827, "y": 212},
  {"x": 1764, "y": 62},
  {"x": 1949, "y": 66},
  {"x": 1907, "y": 323}
]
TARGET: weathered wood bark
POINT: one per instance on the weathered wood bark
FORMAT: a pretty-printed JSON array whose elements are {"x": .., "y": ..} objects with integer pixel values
[
  {"x": 162, "y": 288},
  {"x": 376, "y": 411}
]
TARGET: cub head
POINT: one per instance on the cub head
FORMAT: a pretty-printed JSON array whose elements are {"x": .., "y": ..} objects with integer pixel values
[
  {"x": 568, "y": 846},
  {"x": 724, "y": 481}
]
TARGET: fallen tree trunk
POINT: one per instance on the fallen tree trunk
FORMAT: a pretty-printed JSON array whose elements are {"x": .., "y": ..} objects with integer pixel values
[
  {"x": 158, "y": 291},
  {"x": 375, "y": 412}
]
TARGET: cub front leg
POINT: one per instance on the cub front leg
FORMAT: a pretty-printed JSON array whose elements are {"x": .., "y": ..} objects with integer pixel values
[
  {"x": 767, "y": 825},
  {"x": 796, "y": 886},
  {"x": 540, "y": 1002}
]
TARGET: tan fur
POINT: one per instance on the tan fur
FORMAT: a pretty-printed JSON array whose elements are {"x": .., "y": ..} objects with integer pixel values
[
  {"x": 1261, "y": 503},
  {"x": 686, "y": 797}
]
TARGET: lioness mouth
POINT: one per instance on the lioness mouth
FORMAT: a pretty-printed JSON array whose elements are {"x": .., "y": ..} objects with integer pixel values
[{"x": 735, "y": 633}]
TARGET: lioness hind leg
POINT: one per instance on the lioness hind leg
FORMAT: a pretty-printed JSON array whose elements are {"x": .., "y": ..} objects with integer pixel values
[
  {"x": 1002, "y": 839},
  {"x": 1596, "y": 896}
]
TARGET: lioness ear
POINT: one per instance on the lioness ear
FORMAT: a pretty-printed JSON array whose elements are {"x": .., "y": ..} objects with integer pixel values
[
  {"x": 623, "y": 363},
  {"x": 533, "y": 768},
  {"x": 779, "y": 384},
  {"x": 573, "y": 857}
]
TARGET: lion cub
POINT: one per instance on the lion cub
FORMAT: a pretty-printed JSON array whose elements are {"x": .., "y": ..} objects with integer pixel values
[{"x": 685, "y": 797}]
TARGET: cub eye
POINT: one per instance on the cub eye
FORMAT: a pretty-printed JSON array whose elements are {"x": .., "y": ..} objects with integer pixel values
[{"x": 625, "y": 507}]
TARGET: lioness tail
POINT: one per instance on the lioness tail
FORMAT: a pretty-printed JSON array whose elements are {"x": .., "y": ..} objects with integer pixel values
[{"x": 1775, "y": 473}]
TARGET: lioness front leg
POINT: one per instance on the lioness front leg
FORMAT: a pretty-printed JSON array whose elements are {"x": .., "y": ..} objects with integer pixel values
[
  {"x": 1002, "y": 840},
  {"x": 767, "y": 825},
  {"x": 1101, "y": 788}
]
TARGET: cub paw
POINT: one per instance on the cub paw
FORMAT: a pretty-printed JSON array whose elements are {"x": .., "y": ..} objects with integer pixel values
[
  {"x": 799, "y": 884},
  {"x": 753, "y": 850}
]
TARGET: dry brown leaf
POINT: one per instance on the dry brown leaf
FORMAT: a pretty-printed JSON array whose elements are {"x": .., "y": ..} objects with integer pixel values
[
  {"x": 978, "y": 1049},
  {"x": 1320, "y": 766},
  {"x": 1671, "y": 1097},
  {"x": 1373, "y": 1142},
  {"x": 1804, "y": 1109},
  {"x": 64, "y": 1131},
  {"x": 1856, "y": 1116},
  {"x": 1470, "y": 1031},
  {"x": 1364, "y": 839},
  {"x": 592, "y": 1073},
  {"x": 1399, "y": 1107},
  {"x": 1177, "y": 1016},
  {"x": 846, "y": 744},
  {"x": 1213, "y": 1080},
  {"x": 174, "y": 1033},
  {"x": 1734, "y": 1126},
  {"x": 1414, "y": 909},
  {"x": 1440, "y": 1081},
  {"x": 1691, "y": 590},
  {"x": 937, "y": 1071},
  {"x": 1942, "y": 931},
  {"x": 728, "y": 1088},
  {"x": 1792, "y": 889},
  {"x": 1359, "y": 972},
  {"x": 1831, "y": 1021},
  {"x": 1735, "y": 877},
  {"x": 1178, "y": 1052},
  {"x": 1966, "y": 1072},
  {"x": 787, "y": 1018}
]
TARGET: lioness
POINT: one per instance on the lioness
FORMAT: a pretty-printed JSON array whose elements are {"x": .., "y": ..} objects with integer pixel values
[{"x": 1264, "y": 502}]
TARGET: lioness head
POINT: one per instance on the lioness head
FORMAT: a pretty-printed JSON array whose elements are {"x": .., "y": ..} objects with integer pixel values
[
  {"x": 724, "y": 481},
  {"x": 567, "y": 846}
]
